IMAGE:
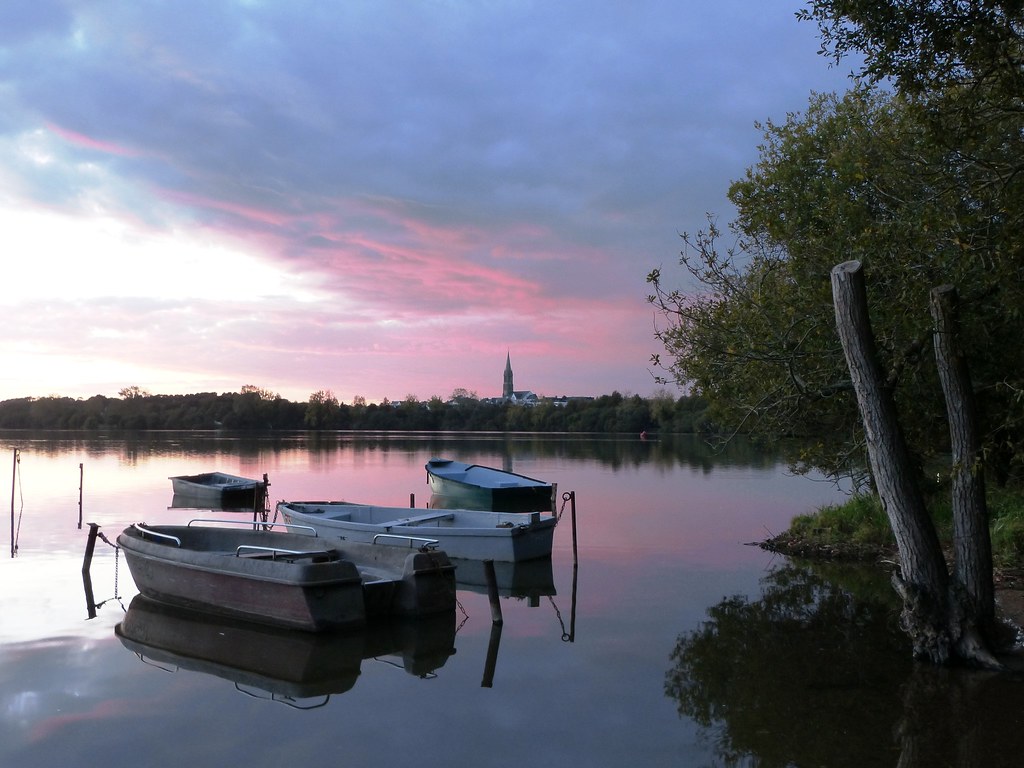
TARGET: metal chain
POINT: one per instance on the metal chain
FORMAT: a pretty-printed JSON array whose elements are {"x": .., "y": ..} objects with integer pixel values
[
  {"x": 117, "y": 570},
  {"x": 558, "y": 614},
  {"x": 565, "y": 500}
]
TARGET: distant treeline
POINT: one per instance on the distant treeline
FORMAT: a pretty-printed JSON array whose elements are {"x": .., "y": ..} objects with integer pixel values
[{"x": 257, "y": 411}]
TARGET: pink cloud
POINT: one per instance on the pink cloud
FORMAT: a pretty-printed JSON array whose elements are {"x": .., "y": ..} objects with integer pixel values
[{"x": 88, "y": 142}]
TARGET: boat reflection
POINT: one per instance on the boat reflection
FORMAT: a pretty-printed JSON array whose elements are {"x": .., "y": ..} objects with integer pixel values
[
  {"x": 529, "y": 579},
  {"x": 186, "y": 501},
  {"x": 285, "y": 665}
]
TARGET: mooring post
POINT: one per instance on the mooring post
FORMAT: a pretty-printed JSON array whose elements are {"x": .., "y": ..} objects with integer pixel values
[
  {"x": 572, "y": 509},
  {"x": 412, "y": 501},
  {"x": 492, "y": 656},
  {"x": 80, "y": 476},
  {"x": 90, "y": 545},
  {"x": 492, "y": 591},
  {"x": 14, "y": 479}
]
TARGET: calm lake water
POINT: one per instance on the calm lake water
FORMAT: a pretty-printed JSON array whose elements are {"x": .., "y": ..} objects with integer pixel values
[{"x": 669, "y": 642}]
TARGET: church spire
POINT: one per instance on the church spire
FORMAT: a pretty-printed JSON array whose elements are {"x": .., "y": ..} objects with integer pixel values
[{"x": 508, "y": 388}]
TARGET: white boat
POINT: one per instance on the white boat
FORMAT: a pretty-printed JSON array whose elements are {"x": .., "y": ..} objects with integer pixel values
[
  {"x": 479, "y": 487},
  {"x": 290, "y": 580},
  {"x": 461, "y": 533},
  {"x": 218, "y": 490}
]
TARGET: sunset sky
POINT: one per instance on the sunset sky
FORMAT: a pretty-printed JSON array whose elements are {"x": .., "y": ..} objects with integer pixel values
[{"x": 375, "y": 197}]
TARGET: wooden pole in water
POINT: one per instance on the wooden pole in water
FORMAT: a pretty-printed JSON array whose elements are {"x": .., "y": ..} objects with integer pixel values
[
  {"x": 80, "y": 475},
  {"x": 492, "y": 656},
  {"x": 90, "y": 545},
  {"x": 14, "y": 479},
  {"x": 492, "y": 591},
  {"x": 572, "y": 497}
]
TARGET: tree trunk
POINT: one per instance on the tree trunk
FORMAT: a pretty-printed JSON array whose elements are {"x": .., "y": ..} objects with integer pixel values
[
  {"x": 972, "y": 544},
  {"x": 922, "y": 580}
]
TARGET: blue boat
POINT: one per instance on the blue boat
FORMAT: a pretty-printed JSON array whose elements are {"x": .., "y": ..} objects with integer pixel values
[{"x": 474, "y": 486}]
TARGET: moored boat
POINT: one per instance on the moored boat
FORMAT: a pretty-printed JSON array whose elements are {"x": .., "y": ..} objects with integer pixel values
[
  {"x": 461, "y": 533},
  {"x": 219, "y": 490},
  {"x": 478, "y": 487},
  {"x": 284, "y": 579}
]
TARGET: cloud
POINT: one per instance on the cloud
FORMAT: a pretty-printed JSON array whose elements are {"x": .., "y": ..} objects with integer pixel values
[{"x": 472, "y": 176}]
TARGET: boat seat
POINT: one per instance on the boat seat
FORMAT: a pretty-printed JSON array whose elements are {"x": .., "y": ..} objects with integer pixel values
[
  {"x": 417, "y": 519},
  {"x": 314, "y": 556}
]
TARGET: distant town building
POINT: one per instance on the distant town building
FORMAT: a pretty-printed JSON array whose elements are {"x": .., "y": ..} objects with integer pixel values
[{"x": 512, "y": 395}]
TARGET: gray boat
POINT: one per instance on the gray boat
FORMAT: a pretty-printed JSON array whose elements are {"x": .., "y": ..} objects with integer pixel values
[
  {"x": 285, "y": 579},
  {"x": 219, "y": 490}
]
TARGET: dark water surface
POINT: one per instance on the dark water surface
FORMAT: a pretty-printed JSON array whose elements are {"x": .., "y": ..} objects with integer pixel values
[{"x": 670, "y": 643}]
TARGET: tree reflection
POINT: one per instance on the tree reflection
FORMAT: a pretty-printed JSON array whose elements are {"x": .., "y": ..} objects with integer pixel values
[{"x": 817, "y": 673}]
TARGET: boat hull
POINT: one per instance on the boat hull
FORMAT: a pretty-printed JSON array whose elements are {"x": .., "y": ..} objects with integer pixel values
[
  {"x": 218, "y": 490},
  {"x": 473, "y": 486},
  {"x": 460, "y": 533},
  {"x": 206, "y": 573},
  {"x": 286, "y": 579}
]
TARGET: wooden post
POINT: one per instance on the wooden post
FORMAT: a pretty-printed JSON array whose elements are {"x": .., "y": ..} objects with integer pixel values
[
  {"x": 14, "y": 479},
  {"x": 572, "y": 510},
  {"x": 80, "y": 476},
  {"x": 492, "y": 591},
  {"x": 90, "y": 546},
  {"x": 491, "y": 662}
]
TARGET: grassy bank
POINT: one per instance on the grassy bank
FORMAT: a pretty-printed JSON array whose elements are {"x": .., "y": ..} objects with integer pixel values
[{"x": 859, "y": 530}]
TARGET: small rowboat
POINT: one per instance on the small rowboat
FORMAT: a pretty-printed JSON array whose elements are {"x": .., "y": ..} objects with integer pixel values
[
  {"x": 219, "y": 490},
  {"x": 284, "y": 579},
  {"x": 461, "y": 533},
  {"x": 479, "y": 487}
]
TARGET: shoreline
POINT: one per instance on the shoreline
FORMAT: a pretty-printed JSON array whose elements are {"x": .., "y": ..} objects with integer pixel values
[{"x": 1008, "y": 582}]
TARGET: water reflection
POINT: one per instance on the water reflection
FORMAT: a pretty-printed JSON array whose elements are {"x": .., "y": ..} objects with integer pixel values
[
  {"x": 661, "y": 529},
  {"x": 287, "y": 666},
  {"x": 814, "y": 670},
  {"x": 528, "y": 579},
  {"x": 498, "y": 449}
]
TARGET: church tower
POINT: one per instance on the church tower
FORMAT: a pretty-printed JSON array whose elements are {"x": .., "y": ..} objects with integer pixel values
[{"x": 508, "y": 389}]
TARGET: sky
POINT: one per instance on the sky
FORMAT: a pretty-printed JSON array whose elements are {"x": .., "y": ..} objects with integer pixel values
[{"x": 380, "y": 198}]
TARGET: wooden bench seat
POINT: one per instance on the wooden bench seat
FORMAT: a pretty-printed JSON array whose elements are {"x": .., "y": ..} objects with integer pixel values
[{"x": 417, "y": 519}]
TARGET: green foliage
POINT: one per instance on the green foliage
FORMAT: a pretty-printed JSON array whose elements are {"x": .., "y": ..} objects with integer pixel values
[
  {"x": 1006, "y": 512},
  {"x": 856, "y": 177},
  {"x": 928, "y": 48},
  {"x": 255, "y": 409},
  {"x": 860, "y": 520}
]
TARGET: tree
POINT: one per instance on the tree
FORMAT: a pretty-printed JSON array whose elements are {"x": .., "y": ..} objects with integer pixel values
[
  {"x": 923, "y": 186},
  {"x": 945, "y": 618},
  {"x": 260, "y": 392},
  {"x": 960, "y": 65},
  {"x": 853, "y": 178},
  {"x": 322, "y": 410},
  {"x": 935, "y": 50}
]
